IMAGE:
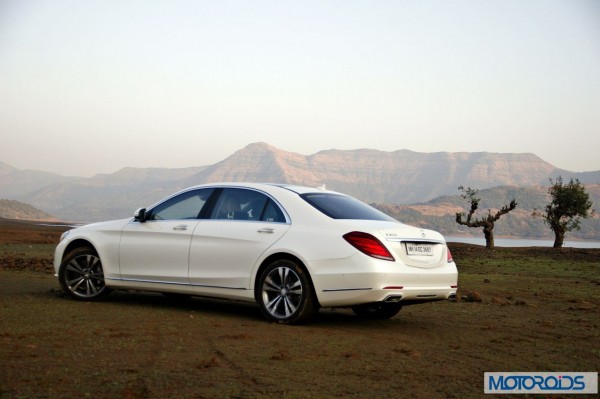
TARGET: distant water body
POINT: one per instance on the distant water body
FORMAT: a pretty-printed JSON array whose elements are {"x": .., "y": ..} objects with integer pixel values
[{"x": 517, "y": 242}]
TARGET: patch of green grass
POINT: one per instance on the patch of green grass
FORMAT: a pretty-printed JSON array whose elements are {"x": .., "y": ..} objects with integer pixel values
[
  {"x": 542, "y": 276},
  {"x": 534, "y": 265},
  {"x": 28, "y": 250}
]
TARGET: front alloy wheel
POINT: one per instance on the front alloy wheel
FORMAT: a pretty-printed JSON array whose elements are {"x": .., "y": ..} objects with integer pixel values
[
  {"x": 81, "y": 275},
  {"x": 286, "y": 295}
]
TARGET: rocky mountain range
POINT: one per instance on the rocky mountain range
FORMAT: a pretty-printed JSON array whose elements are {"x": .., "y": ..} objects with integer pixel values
[{"x": 397, "y": 177}]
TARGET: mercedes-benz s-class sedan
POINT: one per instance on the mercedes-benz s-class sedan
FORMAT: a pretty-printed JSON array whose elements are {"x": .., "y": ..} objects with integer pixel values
[{"x": 290, "y": 249}]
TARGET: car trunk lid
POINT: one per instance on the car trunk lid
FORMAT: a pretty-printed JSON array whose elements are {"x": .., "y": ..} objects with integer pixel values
[{"x": 416, "y": 247}]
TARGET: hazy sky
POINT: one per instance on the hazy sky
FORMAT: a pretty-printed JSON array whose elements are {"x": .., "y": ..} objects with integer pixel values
[{"x": 90, "y": 87}]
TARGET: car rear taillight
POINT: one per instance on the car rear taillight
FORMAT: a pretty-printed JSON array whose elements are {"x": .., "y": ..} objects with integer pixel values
[
  {"x": 449, "y": 255},
  {"x": 368, "y": 245}
]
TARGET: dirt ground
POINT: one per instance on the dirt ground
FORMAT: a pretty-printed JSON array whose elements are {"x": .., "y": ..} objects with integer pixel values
[{"x": 539, "y": 311}]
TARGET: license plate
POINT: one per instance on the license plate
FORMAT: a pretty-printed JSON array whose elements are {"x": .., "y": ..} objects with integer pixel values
[{"x": 418, "y": 249}]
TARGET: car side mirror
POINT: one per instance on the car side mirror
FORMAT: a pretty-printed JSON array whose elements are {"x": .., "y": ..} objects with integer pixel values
[{"x": 140, "y": 215}]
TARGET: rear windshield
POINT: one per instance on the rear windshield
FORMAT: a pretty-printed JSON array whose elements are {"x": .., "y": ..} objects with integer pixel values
[{"x": 342, "y": 207}]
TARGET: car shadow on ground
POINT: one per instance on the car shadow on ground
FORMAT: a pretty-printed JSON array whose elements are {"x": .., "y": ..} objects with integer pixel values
[{"x": 244, "y": 311}]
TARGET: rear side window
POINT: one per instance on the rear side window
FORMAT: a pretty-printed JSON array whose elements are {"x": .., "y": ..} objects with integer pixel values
[
  {"x": 343, "y": 207},
  {"x": 272, "y": 213},
  {"x": 242, "y": 204}
]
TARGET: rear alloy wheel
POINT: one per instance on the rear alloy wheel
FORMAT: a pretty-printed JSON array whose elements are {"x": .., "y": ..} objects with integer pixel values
[
  {"x": 81, "y": 275},
  {"x": 377, "y": 311},
  {"x": 285, "y": 294}
]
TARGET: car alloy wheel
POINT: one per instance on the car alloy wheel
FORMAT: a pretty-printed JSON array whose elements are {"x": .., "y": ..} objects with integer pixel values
[
  {"x": 286, "y": 295},
  {"x": 81, "y": 275}
]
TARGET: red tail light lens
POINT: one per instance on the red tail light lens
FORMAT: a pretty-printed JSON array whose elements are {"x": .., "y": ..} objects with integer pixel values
[
  {"x": 449, "y": 255},
  {"x": 368, "y": 245}
]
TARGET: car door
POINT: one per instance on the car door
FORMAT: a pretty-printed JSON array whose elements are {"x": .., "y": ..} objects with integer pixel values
[
  {"x": 157, "y": 250},
  {"x": 225, "y": 247}
]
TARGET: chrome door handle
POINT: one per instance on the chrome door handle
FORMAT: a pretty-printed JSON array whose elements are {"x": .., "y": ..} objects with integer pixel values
[
  {"x": 181, "y": 227},
  {"x": 267, "y": 230}
]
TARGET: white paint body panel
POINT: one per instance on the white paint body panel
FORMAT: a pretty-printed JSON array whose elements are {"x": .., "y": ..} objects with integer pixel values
[{"x": 221, "y": 258}]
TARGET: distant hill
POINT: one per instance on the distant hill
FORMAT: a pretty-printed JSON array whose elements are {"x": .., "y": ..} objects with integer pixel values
[
  {"x": 16, "y": 182},
  {"x": 439, "y": 213},
  {"x": 111, "y": 196},
  {"x": 10, "y": 209},
  {"x": 397, "y": 177}
]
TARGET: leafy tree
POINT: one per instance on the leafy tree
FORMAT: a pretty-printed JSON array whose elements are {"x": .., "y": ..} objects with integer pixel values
[
  {"x": 570, "y": 202},
  {"x": 485, "y": 222}
]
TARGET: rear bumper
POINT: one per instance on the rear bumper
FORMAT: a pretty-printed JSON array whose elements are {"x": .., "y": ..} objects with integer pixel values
[
  {"x": 406, "y": 295},
  {"x": 371, "y": 280}
]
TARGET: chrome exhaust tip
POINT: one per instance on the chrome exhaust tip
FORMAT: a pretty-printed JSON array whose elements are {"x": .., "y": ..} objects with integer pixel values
[{"x": 393, "y": 298}]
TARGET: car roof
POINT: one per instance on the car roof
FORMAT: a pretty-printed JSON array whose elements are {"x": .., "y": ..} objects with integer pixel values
[
  {"x": 304, "y": 189},
  {"x": 298, "y": 189}
]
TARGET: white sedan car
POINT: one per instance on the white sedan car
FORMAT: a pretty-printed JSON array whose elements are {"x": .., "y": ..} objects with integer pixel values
[{"x": 291, "y": 249}]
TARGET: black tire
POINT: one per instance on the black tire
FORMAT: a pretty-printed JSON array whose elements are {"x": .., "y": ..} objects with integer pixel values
[
  {"x": 377, "y": 311},
  {"x": 285, "y": 293},
  {"x": 81, "y": 275}
]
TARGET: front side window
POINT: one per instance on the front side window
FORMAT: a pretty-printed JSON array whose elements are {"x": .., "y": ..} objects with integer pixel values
[
  {"x": 242, "y": 204},
  {"x": 338, "y": 206},
  {"x": 186, "y": 205}
]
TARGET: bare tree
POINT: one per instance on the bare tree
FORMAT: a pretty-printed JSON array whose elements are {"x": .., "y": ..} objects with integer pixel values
[{"x": 485, "y": 222}]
